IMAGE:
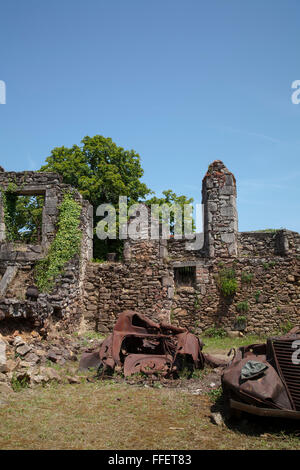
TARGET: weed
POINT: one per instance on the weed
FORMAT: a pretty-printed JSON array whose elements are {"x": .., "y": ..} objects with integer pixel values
[
  {"x": 215, "y": 332},
  {"x": 227, "y": 282},
  {"x": 19, "y": 383},
  {"x": 247, "y": 278},
  {"x": 269, "y": 265},
  {"x": 285, "y": 327},
  {"x": 257, "y": 295},
  {"x": 215, "y": 394},
  {"x": 242, "y": 307}
]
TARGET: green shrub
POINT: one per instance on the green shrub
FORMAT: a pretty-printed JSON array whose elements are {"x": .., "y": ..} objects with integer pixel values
[
  {"x": 227, "y": 282},
  {"x": 19, "y": 383},
  {"x": 242, "y": 306},
  {"x": 286, "y": 327},
  {"x": 240, "y": 322},
  {"x": 215, "y": 332},
  {"x": 257, "y": 295}
]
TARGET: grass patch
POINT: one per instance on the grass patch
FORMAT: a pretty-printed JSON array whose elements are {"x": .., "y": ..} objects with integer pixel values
[
  {"x": 75, "y": 417},
  {"x": 212, "y": 344}
]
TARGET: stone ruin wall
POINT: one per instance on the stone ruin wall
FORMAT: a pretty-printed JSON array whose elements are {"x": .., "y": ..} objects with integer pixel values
[
  {"x": 17, "y": 259},
  {"x": 141, "y": 282},
  {"x": 93, "y": 294},
  {"x": 146, "y": 283},
  {"x": 150, "y": 289}
]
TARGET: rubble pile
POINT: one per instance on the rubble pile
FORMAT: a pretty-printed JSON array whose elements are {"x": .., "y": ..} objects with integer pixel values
[{"x": 29, "y": 359}]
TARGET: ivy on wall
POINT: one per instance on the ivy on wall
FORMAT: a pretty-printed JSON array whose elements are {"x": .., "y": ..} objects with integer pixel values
[
  {"x": 64, "y": 247},
  {"x": 9, "y": 200}
]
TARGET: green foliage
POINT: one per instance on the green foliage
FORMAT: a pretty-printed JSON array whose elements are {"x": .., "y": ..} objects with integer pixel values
[
  {"x": 19, "y": 383},
  {"x": 269, "y": 230},
  {"x": 240, "y": 322},
  {"x": 215, "y": 394},
  {"x": 241, "y": 318},
  {"x": 197, "y": 303},
  {"x": 102, "y": 172},
  {"x": 170, "y": 199},
  {"x": 257, "y": 295},
  {"x": 247, "y": 277},
  {"x": 285, "y": 327},
  {"x": 243, "y": 306},
  {"x": 269, "y": 265},
  {"x": 65, "y": 245},
  {"x": 215, "y": 332},
  {"x": 9, "y": 198},
  {"x": 22, "y": 215},
  {"x": 227, "y": 282}
]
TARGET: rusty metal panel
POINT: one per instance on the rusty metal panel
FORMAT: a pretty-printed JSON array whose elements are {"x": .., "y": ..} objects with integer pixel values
[{"x": 289, "y": 371}]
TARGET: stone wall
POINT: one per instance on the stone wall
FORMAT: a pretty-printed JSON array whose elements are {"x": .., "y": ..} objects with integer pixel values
[
  {"x": 111, "y": 288},
  {"x": 272, "y": 295},
  {"x": 220, "y": 213},
  {"x": 185, "y": 250},
  {"x": 163, "y": 279},
  {"x": 279, "y": 242},
  {"x": 149, "y": 280},
  {"x": 64, "y": 302}
]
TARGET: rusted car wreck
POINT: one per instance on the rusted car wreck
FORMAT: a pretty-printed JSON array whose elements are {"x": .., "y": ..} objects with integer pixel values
[
  {"x": 264, "y": 379},
  {"x": 138, "y": 344}
]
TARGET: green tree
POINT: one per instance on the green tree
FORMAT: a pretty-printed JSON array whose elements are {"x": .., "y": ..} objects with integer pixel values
[
  {"x": 102, "y": 172},
  {"x": 171, "y": 199},
  {"x": 23, "y": 217}
]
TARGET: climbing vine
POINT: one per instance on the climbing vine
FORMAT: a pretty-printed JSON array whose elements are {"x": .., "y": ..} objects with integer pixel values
[
  {"x": 9, "y": 199},
  {"x": 64, "y": 247}
]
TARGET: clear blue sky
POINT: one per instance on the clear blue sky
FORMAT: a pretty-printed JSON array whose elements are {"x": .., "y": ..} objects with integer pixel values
[{"x": 182, "y": 82}]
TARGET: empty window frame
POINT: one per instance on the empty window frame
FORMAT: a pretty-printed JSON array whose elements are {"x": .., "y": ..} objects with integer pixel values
[{"x": 185, "y": 276}]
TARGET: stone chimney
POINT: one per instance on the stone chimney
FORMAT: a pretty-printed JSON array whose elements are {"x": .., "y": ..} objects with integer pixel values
[{"x": 220, "y": 213}]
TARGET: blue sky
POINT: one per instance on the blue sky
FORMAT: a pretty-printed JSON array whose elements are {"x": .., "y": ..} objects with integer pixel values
[{"x": 182, "y": 82}]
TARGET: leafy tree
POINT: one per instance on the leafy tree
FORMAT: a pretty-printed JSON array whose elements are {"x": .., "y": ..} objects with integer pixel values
[
  {"x": 102, "y": 172},
  {"x": 171, "y": 199},
  {"x": 23, "y": 217},
  {"x": 28, "y": 218}
]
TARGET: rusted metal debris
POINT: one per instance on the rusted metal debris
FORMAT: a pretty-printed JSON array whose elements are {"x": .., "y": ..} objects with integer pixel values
[
  {"x": 138, "y": 344},
  {"x": 264, "y": 379}
]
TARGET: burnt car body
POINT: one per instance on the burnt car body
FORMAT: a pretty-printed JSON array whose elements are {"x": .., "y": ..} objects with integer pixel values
[
  {"x": 264, "y": 379},
  {"x": 139, "y": 344}
]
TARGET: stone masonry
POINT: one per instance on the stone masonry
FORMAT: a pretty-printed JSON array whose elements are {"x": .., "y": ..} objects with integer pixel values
[
  {"x": 163, "y": 279},
  {"x": 266, "y": 265},
  {"x": 17, "y": 260}
]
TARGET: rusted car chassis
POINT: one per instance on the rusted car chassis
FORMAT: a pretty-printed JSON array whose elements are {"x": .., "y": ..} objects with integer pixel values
[
  {"x": 264, "y": 379},
  {"x": 138, "y": 344}
]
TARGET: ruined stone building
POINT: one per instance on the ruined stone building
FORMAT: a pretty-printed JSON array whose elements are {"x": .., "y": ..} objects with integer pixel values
[{"x": 163, "y": 279}]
